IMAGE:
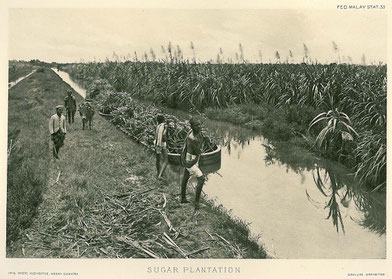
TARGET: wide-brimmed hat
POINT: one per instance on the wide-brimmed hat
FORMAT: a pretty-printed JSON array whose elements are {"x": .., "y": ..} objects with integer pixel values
[{"x": 59, "y": 106}]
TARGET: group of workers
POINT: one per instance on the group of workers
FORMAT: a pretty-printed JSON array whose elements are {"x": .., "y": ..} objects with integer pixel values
[{"x": 189, "y": 158}]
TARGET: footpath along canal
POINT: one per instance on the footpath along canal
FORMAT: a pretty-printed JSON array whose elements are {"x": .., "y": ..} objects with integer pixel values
[{"x": 301, "y": 206}]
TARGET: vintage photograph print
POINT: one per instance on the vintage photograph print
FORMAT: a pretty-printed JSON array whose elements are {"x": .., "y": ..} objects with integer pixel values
[{"x": 165, "y": 133}]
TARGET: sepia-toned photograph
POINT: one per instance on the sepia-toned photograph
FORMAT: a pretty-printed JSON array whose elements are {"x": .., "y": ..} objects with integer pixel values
[{"x": 195, "y": 134}]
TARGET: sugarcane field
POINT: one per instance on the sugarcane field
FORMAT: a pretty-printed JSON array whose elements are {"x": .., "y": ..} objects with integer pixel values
[{"x": 166, "y": 154}]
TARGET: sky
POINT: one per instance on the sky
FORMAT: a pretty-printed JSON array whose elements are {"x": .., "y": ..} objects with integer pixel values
[{"x": 92, "y": 34}]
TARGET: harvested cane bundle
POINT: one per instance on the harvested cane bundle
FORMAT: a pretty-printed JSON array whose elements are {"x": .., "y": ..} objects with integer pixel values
[
  {"x": 142, "y": 123},
  {"x": 139, "y": 120}
]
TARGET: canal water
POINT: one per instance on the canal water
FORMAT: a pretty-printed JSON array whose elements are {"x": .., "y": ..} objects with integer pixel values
[
  {"x": 66, "y": 78},
  {"x": 13, "y": 83},
  {"x": 287, "y": 195},
  {"x": 300, "y": 206}
]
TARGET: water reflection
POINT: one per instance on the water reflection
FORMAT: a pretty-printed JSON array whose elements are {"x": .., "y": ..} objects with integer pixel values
[
  {"x": 330, "y": 185},
  {"x": 229, "y": 136},
  {"x": 373, "y": 206},
  {"x": 340, "y": 196}
]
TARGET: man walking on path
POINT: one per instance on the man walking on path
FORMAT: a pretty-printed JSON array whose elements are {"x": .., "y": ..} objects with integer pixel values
[
  {"x": 160, "y": 146},
  {"x": 70, "y": 106},
  {"x": 57, "y": 129},
  {"x": 190, "y": 160}
]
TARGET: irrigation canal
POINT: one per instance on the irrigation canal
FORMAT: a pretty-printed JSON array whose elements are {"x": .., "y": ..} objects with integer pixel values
[
  {"x": 13, "y": 83},
  {"x": 287, "y": 195},
  {"x": 65, "y": 77}
]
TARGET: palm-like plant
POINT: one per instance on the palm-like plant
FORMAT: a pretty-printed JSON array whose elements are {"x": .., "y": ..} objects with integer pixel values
[{"x": 337, "y": 129}]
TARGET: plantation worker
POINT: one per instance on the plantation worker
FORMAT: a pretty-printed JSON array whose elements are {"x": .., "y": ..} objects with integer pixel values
[
  {"x": 57, "y": 129},
  {"x": 160, "y": 146},
  {"x": 190, "y": 160},
  {"x": 70, "y": 106}
]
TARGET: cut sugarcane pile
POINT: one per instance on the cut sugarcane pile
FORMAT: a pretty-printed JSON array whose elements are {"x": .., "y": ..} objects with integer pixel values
[{"x": 139, "y": 121}]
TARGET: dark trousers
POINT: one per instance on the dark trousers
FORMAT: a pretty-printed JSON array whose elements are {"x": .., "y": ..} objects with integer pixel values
[
  {"x": 56, "y": 151},
  {"x": 58, "y": 141},
  {"x": 70, "y": 116}
]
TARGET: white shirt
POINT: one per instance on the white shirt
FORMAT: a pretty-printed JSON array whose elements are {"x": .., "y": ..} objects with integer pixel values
[
  {"x": 56, "y": 122},
  {"x": 160, "y": 131}
]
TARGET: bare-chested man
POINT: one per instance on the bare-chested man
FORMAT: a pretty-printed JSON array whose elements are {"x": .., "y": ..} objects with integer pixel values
[{"x": 193, "y": 147}]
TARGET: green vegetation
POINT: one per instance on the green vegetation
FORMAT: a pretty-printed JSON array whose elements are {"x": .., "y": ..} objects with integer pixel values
[
  {"x": 101, "y": 198},
  {"x": 347, "y": 103}
]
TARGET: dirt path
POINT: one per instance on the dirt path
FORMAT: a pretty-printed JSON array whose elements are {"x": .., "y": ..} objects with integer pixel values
[{"x": 102, "y": 200}]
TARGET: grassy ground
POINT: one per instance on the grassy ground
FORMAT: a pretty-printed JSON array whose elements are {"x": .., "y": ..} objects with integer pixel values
[
  {"x": 101, "y": 199},
  {"x": 31, "y": 102}
]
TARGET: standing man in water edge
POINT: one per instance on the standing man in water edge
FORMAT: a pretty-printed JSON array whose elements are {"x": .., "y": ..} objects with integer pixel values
[
  {"x": 57, "y": 130},
  {"x": 190, "y": 160},
  {"x": 70, "y": 106}
]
